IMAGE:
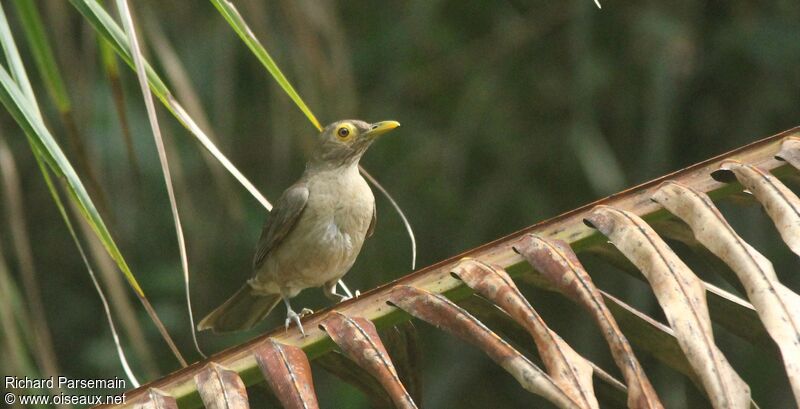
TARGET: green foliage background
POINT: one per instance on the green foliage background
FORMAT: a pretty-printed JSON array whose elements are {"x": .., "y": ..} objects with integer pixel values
[{"x": 512, "y": 112}]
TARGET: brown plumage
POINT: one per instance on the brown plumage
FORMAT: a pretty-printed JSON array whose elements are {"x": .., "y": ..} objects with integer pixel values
[{"x": 313, "y": 234}]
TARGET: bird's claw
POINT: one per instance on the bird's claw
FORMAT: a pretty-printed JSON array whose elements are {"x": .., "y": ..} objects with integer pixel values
[
  {"x": 348, "y": 295},
  {"x": 306, "y": 311},
  {"x": 293, "y": 316},
  {"x": 351, "y": 296}
]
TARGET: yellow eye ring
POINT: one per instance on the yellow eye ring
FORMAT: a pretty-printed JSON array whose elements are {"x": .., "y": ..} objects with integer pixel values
[{"x": 344, "y": 133}]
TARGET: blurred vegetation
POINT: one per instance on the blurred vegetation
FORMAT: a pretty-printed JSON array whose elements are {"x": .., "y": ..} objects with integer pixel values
[{"x": 512, "y": 112}]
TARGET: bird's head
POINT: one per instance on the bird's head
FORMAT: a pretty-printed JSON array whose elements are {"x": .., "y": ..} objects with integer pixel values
[{"x": 343, "y": 142}]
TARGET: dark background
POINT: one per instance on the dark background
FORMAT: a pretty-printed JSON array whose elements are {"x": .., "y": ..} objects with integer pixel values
[{"x": 512, "y": 112}]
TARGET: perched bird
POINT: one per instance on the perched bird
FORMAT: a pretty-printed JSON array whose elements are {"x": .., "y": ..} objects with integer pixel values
[{"x": 313, "y": 234}]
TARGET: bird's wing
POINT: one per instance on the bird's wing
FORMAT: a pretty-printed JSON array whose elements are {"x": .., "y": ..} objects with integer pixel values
[
  {"x": 371, "y": 228},
  {"x": 281, "y": 221}
]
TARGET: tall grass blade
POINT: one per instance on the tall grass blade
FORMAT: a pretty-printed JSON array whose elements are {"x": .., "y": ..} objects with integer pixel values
[
  {"x": 45, "y": 63},
  {"x": 177, "y": 75},
  {"x": 45, "y": 355},
  {"x": 21, "y": 104},
  {"x": 19, "y": 342},
  {"x": 232, "y": 16},
  {"x": 117, "y": 291},
  {"x": 57, "y": 199},
  {"x": 15, "y": 63},
  {"x": 18, "y": 98},
  {"x": 105, "y": 26},
  {"x": 127, "y": 22},
  {"x": 111, "y": 68},
  {"x": 15, "y": 354},
  {"x": 28, "y": 110},
  {"x": 42, "y": 53}
]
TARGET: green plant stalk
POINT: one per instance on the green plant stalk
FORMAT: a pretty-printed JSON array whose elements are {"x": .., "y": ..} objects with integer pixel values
[
  {"x": 111, "y": 67},
  {"x": 41, "y": 139},
  {"x": 45, "y": 62},
  {"x": 13, "y": 316},
  {"x": 42, "y": 142},
  {"x": 26, "y": 112},
  {"x": 102, "y": 22},
  {"x": 43, "y": 53},
  {"x": 108, "y": 57},
  {"x": 42, "y": 340},
  {"x": 60, "y": 205},
  {"x": 15, "y": 62},
  {"x": 176, "y": 74},
  {"x": 232, "y": 16},
  {"x": 108, "y": 29},
  {"x": 127, "y": 19},
  {"x": 44, "y": 147},
  {"x": 17, "y": 95}
]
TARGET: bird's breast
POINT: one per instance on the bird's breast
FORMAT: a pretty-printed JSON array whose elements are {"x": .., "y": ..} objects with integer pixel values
[
  {"x": 344, "y": 201},
  {"x": 327, "y": 239}
]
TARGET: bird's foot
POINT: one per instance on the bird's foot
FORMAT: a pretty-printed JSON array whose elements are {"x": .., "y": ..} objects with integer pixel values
[
  {"x": 292, "y": 316},
  {"x": 333, "y": 295},
  {"x": 348, "y": 295}
]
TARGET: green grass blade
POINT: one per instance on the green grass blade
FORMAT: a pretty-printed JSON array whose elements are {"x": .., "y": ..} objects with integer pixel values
[
  {"x": 15, "y": 64},
  {"x": 12, "y": 314},
  {"x": 16, "y": 219},
  {"x": 43, "y": 53},
  {"x": 45, "y": 62},
  {"x": 19, "y": 100},
  {"x": 232, "y": 16},
  {"x": 20, "y": 108},
  {"x": 176, "y": 74},
  {"x": 108, "y": 29},
  {"x": 44, "y": 145},
  {"x": 57, "y": 199},
  {"x": 111, "y": 68},
  {"x": 130, "y": 30}
]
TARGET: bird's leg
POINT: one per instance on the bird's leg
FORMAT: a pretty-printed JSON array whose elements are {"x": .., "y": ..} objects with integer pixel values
[
  {"x": 293, "y": 316},
  {"x": 347, "y": 290},
  {"x": 329, "y": 289}
]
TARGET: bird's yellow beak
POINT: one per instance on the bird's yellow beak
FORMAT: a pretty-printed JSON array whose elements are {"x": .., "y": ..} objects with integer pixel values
[{"x": 380, "y": 128}]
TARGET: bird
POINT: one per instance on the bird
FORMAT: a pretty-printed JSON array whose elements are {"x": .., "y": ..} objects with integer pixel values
[{"x": 314, "y": 233}]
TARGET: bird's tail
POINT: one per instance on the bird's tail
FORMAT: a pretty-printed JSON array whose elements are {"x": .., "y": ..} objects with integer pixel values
[{"x": 240, "y": 312}]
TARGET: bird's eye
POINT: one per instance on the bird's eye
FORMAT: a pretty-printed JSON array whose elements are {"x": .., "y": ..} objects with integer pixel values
[{"x": 343, "y": 132}]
